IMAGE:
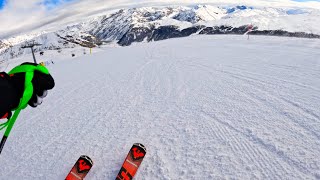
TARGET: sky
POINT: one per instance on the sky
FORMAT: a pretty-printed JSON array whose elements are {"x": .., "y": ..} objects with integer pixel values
[
  {"x": 22, "y": 16},
  {"x": 48, "y": 3},
  {"x": 55, "y": 3},
  {"x": 1, "y": 3}
]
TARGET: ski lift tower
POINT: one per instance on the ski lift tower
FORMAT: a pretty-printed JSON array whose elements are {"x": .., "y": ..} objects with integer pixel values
[{"x": 31, "y": 46}]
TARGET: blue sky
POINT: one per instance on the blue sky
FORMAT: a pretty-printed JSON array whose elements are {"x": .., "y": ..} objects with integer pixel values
[
  {"x": 1, "y": 3},
  {"x": 47, "y": 3},
  {"x": 53, "y": 3}
]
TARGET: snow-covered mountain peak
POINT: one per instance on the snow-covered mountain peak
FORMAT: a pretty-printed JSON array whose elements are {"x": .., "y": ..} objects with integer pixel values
[{"x": 161, "y": 22}]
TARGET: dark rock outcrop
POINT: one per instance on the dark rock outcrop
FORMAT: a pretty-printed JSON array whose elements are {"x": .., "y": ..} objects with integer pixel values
[
  {"x": 243, "y": 29},
  {"x": 155, "y": 34},
  {"x": 137, "y": 34}
]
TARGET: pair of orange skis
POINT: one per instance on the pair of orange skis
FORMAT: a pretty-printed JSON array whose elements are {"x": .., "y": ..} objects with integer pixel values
[{"x": 127, "y": 171}]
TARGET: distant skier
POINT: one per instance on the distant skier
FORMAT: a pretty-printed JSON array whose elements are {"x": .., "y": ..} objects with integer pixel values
[{"x": 15, "y": 86}]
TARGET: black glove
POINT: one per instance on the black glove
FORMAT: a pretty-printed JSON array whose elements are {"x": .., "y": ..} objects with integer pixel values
[{"x": 15, "y": 88}]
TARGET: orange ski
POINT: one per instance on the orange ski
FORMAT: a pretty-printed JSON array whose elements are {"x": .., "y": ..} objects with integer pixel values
[
  {"x": 80, "y": 169},
  {"x": 132, "y": 162}
]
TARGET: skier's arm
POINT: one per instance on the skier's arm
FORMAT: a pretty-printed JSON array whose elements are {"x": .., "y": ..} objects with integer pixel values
[
  {"x": 8, "y": 96},
  {"x": 12, "y": 89}
]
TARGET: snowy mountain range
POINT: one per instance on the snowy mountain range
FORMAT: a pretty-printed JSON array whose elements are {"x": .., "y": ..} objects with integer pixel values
[{"x": 125, "y": 26}]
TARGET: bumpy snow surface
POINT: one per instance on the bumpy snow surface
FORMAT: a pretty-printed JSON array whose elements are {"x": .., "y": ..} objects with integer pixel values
[{"x": 206, "y": 107}]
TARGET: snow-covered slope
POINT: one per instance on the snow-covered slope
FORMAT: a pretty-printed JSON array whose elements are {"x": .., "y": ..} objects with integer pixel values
[
  {"x": 206, "y": 107},
  {"x": 126, "y": 26}
]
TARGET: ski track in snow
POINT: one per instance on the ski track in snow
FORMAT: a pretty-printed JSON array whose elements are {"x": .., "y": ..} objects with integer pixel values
[{"x": 206, "y": 107}]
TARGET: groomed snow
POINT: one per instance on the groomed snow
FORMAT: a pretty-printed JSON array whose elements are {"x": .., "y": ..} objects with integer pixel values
[{"x": 206, "y": 107}]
